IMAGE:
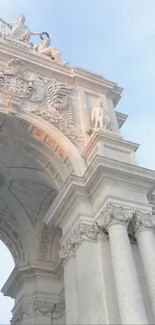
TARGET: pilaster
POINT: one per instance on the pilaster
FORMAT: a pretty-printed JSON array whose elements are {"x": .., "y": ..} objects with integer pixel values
[
  {"x": 84, "y": 294},
  {"x": 38, "y": 294}
]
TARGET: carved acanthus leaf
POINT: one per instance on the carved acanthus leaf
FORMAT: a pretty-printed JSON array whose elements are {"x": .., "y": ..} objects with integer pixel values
[
  {"x": 80, "y": 233},
  {"x": 30, "y": 308},
  {"x": 143, "y": 221},
  {"x": 112, "y": 215}
]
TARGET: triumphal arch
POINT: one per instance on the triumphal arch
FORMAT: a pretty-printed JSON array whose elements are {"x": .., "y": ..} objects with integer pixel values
[{"x": 76, "y": 211}]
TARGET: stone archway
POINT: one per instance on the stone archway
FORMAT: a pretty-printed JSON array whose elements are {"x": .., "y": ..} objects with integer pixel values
[
  {"x": 7, "y": 265},
  {"x": 34, "y": 165}
]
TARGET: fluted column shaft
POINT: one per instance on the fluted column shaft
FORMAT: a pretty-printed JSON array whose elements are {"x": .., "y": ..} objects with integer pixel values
[
  {"x": 130, "y": 300},
  {"x": 144, "y": 226}
]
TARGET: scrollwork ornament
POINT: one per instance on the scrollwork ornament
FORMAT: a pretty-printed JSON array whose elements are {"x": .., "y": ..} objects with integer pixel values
[
  {"x": 42, "y": 307},
  {"x": 17, "y": 317},
  {"x": 143, "y": 221},
  {"x": 51, "y": 100},
  {"x": 80, "y": 233},
  {"x": 30, "y": 308},
  {"x": 114, "y": 215}
]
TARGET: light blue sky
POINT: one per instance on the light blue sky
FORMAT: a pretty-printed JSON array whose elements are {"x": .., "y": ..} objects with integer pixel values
[{"x": 115, "y": 39}]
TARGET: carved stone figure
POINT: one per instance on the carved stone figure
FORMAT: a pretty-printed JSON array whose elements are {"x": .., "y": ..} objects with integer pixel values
[
  {"x": 21, "y": 33},
  {"x": 19, "y": 30},
  {"x": 42, "y": 307},
  {"x": 56, "y": 100},
  {"x": 3, "y": 31},
  {"x": 50, "y": 52},
  {"x": 100, "y": 116}
]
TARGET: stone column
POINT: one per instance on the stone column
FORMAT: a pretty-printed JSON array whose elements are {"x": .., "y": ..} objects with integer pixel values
[
  {"x": 131, "y": 307},
  {"x": 86, "y": 295},
  {"x": 143, "y": 229}
]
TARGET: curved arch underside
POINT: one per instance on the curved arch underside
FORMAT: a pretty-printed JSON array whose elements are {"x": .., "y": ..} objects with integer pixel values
[{"x": 33, "y": 168}]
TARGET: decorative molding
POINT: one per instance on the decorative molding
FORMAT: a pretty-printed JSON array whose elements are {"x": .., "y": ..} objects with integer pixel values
[
  {"x": 11, "y": 239},
  {"x": 142, "y": 221},
  {"x": 50, "y": 245},
  {"x": 40, "y": 156},
  {"x": 38, "y": 307},
  {"x": 114, "y": 215},
  {"x": 80, "y": 233},
  {"x": 17, "y": 317},
  {"x": 20, "y": 36},
  {"x": 56, "y": 310},
  {"x": 24, "y": 92},
  {"x": 37, "y": 133}
]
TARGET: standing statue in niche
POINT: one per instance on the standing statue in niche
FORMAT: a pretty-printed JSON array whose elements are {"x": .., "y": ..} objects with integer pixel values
[
  {"x": 19, "y": 31},
  {"x": 100, "y": 116}
]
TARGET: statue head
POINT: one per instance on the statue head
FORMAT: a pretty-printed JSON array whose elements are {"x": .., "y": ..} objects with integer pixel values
[
  {"x": 98, "y": 103},
  {"x": 21, "y": 19}
]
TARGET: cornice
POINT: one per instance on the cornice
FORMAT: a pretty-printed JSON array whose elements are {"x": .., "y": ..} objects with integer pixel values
[
  {"x": 26, "y": 271},
  {"x": 110, "y": 140},
  {"x": 93, "y": 81},
  {"x": 122, "y": 171},
  {"x": 121, "y": 118},
  {"x": 111, "y": 170},
  {"x": 48, "y": 68}
]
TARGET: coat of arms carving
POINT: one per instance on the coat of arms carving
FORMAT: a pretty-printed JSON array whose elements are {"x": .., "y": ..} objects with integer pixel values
[{"x": 25, "y": 92}]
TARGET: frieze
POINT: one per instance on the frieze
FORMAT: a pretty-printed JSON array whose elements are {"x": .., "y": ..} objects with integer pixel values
[
  {"x": 55, "y": 310},
  {"x": 41, "y": 136},
  {"x": 142, "y": 221},
  {"x": 24, "y": 92},
  {"x": 47, "y": 164},
  {"x": 19, "y": 35},
  {"x": 80, "y": 233},
  {"x": 113, "y": 215},
  {"x": 45, "y": 244},
  {"x": 11, "y": 239}
]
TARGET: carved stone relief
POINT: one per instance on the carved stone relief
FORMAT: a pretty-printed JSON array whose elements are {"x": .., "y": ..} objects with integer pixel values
[
  {"x": 54, "y": 310},
  {"x": 10, "y": 237},
  {"x": 20, "y": 35},
  {"x": 141, "y": 221},
  {"x": 100, "y": 118},
  {"x": 22, "y": 91},
  {"x": 80, "y": 233},
  {"x": 40, "y": 135},
  {"x": 114, "y": 214}
]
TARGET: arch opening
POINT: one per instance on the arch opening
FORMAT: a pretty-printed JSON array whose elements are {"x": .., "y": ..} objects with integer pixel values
[{"x": 6, "y": 303}]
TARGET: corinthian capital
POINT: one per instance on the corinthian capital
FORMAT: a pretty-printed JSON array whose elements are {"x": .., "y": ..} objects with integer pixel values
[
  {"x": 143, "y": 221},
  {"x": 114, "y": 215},
  {"x": 80, "y": 233}
]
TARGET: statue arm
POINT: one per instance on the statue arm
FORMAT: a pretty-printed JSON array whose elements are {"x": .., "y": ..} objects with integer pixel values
[
  {"x": 37, "y": 33},
  {"x": 9, "y": 25}
]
